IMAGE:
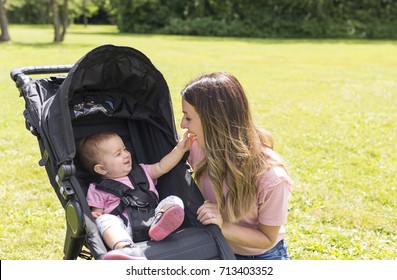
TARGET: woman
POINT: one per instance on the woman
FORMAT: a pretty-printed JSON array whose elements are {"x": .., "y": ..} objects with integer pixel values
[{"x": 244, "y": 182}]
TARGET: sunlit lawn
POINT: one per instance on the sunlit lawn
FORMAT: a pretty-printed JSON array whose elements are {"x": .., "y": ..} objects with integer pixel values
[{"x": 331, "y": 106}]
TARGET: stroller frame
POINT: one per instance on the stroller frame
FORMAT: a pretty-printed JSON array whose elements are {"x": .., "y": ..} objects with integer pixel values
[{"x": 118, "y": 89}]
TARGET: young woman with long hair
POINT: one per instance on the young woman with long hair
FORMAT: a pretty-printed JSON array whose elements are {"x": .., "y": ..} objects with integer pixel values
[{"x": 245, "y": 184}]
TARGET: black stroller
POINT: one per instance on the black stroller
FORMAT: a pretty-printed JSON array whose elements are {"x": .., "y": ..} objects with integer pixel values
[{"x": 114, "y": 89}]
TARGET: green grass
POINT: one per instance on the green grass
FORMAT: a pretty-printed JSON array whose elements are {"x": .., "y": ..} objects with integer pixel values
[{"x": 330, "y": 104}]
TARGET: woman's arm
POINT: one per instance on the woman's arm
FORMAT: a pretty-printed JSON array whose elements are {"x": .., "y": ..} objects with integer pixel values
[{"x": 262, "y": 237}]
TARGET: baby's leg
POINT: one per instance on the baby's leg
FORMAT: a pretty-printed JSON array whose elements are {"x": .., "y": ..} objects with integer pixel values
[
  {"x": 116, "y": 237},
  {"x": 169, "y": 215},
  {"x": 113, "y": 231}
]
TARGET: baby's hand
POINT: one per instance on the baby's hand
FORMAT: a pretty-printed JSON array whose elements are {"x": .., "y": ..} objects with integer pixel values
[
  {"x": 186, "y": 142},
  {"x": 96, "y": 214}
]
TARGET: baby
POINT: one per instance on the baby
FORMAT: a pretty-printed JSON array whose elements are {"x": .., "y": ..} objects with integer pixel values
[{"x": 106, "y": 155}]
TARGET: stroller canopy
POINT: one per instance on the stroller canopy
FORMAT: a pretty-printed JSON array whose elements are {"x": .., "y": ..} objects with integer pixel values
[{"x": 117, "y": 81}]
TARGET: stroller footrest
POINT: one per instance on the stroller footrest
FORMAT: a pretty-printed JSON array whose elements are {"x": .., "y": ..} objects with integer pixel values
[{"x": 186, "y": 244}]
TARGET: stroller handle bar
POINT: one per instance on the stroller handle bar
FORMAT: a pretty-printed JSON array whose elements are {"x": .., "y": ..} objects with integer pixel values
[
  {"x": 48, "y": 69},
  {"x": 19, "y": 75}
]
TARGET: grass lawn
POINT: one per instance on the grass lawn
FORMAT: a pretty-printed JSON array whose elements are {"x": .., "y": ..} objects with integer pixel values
[{"x": 330, "y": 104}]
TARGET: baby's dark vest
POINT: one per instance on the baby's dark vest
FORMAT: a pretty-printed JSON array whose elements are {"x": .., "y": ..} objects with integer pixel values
[{"x": 140, "y": 202}]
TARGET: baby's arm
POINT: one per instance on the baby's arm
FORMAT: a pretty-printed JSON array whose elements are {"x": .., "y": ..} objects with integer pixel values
[{"x": 170, "y": 160}]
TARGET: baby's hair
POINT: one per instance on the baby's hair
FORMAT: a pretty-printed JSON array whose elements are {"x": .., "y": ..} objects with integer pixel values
[{"x": 89, "y": 150}]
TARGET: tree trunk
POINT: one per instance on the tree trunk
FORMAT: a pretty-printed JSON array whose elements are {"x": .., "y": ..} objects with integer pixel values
[
  {"x": 56, "y": 21},
  {"x": 65, "y": 19},
  {"x": 4, "y": 36},
  {"x": 85, "y": 13}
]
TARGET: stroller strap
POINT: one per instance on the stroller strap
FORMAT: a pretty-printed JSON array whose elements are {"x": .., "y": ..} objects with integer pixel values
[{"x": 139, "y": 202}]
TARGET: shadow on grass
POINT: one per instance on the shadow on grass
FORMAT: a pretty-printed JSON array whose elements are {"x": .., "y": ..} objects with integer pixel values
[
  {"x": 50, "y": 45},
  {"x": 111, "y": 31}
]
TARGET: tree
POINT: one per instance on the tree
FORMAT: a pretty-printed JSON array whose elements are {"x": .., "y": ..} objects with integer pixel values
[
  {"x": 4, "y": 36},
  {"x": 83, "y": 10},
  {"x": 60, "y": 21}
]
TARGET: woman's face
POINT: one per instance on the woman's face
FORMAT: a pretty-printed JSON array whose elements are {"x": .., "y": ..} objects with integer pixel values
[{"x": 191, "y": 121}]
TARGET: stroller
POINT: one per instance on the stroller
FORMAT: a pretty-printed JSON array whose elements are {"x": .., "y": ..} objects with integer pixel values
[{"x": 115, "y": 89}]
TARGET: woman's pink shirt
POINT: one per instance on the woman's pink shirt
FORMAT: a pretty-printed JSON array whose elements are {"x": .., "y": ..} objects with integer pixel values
[{"x": 272, "y": 204}]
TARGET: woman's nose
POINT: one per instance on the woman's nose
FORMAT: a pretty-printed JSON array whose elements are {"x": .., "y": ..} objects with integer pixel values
[{"x": 183, "y": 125}]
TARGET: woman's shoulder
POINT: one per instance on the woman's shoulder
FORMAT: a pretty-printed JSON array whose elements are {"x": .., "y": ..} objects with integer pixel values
[{"x": 277, "y": 173}]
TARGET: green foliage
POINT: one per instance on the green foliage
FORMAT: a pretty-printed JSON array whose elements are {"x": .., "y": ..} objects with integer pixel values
[
  {"x": 371, "y": 19},
  {"x": 38, "y": 11},
  {"x": 207, "y": 26},
  {"x": 141, "y": 16},
  {"x": 29, "y": 12},
  {"x": 330, "y": 104},
  {"x": 286, "y": 19}
]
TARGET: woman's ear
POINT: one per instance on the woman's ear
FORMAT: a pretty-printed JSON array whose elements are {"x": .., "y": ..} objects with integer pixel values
[{"x": 100, "y": 169}]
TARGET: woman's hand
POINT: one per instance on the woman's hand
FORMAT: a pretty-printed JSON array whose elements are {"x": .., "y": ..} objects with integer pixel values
[{"x": 208, "y": 213}]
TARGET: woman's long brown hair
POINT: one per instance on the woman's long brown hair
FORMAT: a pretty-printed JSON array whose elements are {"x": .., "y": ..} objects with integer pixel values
[{"x": 233, "y": 145}]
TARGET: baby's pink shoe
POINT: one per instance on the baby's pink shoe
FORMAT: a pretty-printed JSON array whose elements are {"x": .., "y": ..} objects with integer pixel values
[
  {"x": 132, "y": 252},
  {"x": 166, "y": 221}
]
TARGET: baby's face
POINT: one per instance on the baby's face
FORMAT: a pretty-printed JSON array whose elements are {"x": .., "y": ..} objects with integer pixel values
[{"x": 116, "y": 159}]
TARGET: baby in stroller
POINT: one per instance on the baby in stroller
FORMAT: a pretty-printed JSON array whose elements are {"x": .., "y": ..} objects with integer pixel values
[{"x": 105, "y": 154}]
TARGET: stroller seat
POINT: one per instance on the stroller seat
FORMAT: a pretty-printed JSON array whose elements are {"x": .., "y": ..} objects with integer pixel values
[{"x": 114, "y": 89}]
